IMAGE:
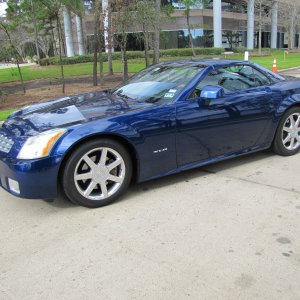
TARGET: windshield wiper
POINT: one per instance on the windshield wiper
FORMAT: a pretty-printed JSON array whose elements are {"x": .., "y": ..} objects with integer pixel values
[{"x": 152, "y": 100}]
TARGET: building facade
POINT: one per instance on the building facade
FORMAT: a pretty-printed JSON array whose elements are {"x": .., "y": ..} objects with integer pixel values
[
  {"x": 215, "y": 23},
  {"x": 220, "y": 23},
  {"x": 226, "y": 24}
]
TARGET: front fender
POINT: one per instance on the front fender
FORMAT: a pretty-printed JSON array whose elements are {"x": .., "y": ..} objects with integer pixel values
[{"x": 79, "y": 133}]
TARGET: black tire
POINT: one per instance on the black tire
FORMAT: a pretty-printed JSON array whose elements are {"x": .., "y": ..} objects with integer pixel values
[
  {"x": 85, "y": 162},
  {"x": 287, "y": 148}
]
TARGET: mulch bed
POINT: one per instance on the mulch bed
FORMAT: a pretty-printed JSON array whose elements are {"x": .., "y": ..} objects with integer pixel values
[{"x": 12, "y": 96}]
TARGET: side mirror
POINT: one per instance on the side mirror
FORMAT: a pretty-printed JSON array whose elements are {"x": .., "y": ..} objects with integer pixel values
[{"x": 211, "y": 92}]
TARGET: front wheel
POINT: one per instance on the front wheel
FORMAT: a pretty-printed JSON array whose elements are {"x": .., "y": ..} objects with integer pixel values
[
  {"x": 97, "y": 173},
  {"x": 287, "y": 138}
]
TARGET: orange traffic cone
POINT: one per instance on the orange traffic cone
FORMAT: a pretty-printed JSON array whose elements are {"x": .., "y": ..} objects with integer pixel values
[{"x": 274, "y": 68}]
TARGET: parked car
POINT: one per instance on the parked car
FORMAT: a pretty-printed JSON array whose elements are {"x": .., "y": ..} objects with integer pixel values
[{"x": 167, "y": 118}]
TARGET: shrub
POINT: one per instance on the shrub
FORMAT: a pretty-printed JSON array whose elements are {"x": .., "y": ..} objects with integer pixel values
[
  {"x": 240, "y": 49},
  {"x": 131, "y": 55},
  {"x": 263, "y": 54}
]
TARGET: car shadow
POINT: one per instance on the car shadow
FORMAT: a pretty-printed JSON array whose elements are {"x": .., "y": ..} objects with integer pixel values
[
  {"x": 61, "y": 201},
  {"x": 199, "y": 172},
  {"x": 137, "y": 188}
]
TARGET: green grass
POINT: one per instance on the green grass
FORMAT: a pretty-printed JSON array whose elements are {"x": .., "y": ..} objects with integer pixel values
[
  {"x": 292, "y": 60},
  {"x": 5, "y": 113},
  {"x": 35, "y": 72}
]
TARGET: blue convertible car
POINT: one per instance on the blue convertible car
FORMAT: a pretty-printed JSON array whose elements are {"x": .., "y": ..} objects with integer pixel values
[{"x": 167, "y": 118}]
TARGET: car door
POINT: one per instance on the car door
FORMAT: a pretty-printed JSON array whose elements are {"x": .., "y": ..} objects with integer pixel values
[{"x": 235, "y": 122}]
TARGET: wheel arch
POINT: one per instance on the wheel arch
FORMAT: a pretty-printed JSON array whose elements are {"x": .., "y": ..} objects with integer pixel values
[
  {"x": 288, "y": 103},
  {"x": 129, "y": 147},
  {"x": 285, "y": 105},
  {"x": 277, "y": 144}
]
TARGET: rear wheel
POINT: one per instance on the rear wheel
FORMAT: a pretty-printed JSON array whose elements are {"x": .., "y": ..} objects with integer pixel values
[
  {"x": 287, "y": 138},
  {"x": 97, "y": 173}
]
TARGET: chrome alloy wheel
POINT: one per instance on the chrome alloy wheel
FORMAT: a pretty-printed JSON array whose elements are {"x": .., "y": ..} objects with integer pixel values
[
  {"x": 99, "y": 173},
  {"x": 291, "y": 132}
]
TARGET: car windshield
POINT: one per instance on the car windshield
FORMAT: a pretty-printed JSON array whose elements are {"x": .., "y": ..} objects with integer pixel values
[{"x": 157, "y": 83}]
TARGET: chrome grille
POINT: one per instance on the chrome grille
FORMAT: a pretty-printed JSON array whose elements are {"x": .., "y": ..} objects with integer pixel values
[{"x": 5, "y": 143}]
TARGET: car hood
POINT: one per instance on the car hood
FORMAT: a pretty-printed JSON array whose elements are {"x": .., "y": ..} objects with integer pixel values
[{"x": 68, "y": 111}]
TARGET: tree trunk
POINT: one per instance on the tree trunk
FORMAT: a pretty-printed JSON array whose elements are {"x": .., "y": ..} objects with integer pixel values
[
  {"x": 260, "y": 28},
  {"x": 96, "y": 42},
  {"x": 81, "y": 49},
  {"x": 20, "y": 52},
  {"x": 95, "y": 60},
  {"x": 293, "y": 20},
  {"x": 101, "y": 29},
  {"x": 146, "y": 46},
  {"x": 110, "y": 41},
  {"x": 60, "y": 54},
  {"x": 35, "y": 33},
  {"x": 55, "y": 52},
  {"x": 110, "y": 62},
  {"x": 63, "y": 44},
  {"x": 124, "y": 58},
  {"x": 259, "y": 39},
  {"x": 290, "y": 37},
  {"x": 21, "y": 76},
  {"x": 101, "y": 67},
  {"x": 157, "y": 32},
  {"x": 289, "y": 40},
  {"x": 189, "y": 31}
]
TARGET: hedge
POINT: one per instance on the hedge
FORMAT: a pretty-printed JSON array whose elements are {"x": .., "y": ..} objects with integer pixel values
[{"x": 131, "y": 55}]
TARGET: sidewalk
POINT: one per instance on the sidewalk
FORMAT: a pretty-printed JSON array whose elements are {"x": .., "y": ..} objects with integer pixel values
[
  {"x": 295, "y": 72},
  {"x": 10, "y": 65}
]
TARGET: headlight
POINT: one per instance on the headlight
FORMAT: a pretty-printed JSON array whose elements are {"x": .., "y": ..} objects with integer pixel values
[{"x": 40, "y": 145}]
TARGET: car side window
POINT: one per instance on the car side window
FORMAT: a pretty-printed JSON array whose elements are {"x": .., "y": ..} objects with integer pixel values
[
  {"x": 233, "y": 79},
  {"x": 212, "y": 78},
  {"x": 259, "y": 78}
]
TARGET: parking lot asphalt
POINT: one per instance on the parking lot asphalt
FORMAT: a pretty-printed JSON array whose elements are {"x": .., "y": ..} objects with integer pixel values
[{"x": 225, "y": 231}]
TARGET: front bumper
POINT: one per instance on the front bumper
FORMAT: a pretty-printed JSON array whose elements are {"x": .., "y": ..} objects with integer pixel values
[{"x": 36, "y": 179}]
